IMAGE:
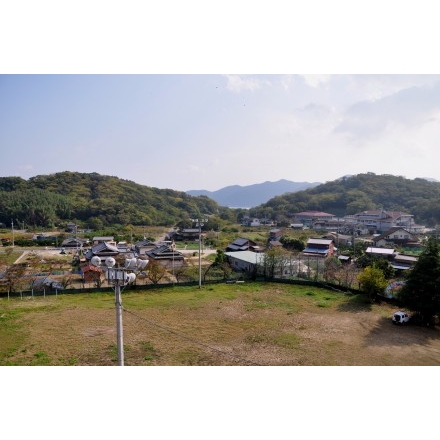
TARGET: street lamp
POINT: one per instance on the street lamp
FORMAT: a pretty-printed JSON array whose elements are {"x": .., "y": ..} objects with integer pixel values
[
  {"x": 199, "y": 223},
  {"x": 173, "y": 247},
  {"x": 120, "y": 277}
]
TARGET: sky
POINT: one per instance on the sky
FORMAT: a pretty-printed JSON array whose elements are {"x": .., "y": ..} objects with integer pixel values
[{"x": 208, "y": 131}]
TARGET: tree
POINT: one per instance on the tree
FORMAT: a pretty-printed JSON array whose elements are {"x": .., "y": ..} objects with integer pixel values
[
  {"x": 274, "y": 262},
  {"x": 155, "y": 271},
  {"x": 421, "y": 291},
  {"x": 13, "y": 279},
  {"x": 292, "y": 244},
  {"x": 372, "y": 281},
  {"x": 331, "y": 269},
  {"x": 220, "y": 264},
  {"x": 366, "y": 260}
]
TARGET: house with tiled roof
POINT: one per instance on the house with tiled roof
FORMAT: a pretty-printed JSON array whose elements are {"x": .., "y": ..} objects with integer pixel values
[
  {"x": 185, "y": 234},
  {"x": 166, "y": 255},
  {"x": 104, "y": 250},
  {"x": 141, "y": 246},
  {"x": 394, "y": 236},
  {"x": 243, "y": 244}
]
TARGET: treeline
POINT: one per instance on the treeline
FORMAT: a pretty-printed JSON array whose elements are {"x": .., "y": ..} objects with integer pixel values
[
  {"x": 361, "y": 192},
  {"x": 96, "y": 201}
]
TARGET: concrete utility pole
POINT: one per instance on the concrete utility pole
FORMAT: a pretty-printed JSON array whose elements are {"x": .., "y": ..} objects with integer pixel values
[
  {"x": 119, "y": 277},
  {"x": 199, "y": 223}
]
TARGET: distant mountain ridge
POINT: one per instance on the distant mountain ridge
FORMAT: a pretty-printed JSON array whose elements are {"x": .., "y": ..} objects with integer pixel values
[{"x": 249, "y": 196}]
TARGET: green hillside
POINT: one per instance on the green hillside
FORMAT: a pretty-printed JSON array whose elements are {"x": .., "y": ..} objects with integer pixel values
[
  {"x": 361, "y": 192},
  {"x": 95, "y": 200}
]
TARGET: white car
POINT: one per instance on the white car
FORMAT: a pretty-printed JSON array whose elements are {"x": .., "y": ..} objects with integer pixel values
[{"x": 401, "y": 318}]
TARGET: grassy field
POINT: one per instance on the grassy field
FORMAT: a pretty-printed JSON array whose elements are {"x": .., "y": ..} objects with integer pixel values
[{"x": 224, "y": 324}]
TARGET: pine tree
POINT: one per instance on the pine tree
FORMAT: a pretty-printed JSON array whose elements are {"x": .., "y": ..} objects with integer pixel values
[{"x": 421, "y": 292}]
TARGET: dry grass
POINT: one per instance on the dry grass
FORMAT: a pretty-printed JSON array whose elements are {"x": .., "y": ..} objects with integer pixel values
[{"x": 238, "y": 324}]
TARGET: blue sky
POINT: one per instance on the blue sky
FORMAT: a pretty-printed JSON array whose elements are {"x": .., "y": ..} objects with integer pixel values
[{"x": 207, "y": 131}]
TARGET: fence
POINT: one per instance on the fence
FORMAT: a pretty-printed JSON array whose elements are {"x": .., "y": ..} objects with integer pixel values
[{"x": 146, "y": 287}]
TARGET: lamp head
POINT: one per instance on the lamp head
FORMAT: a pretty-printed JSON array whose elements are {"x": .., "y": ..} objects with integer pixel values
[
  {"x": 131, "y": 278},
  {"x": 96, "y": 261},
  {"x": 110, "y": 262}
]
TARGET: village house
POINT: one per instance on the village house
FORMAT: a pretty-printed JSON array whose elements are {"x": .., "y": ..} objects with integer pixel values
[
  {"x": 91, "y": 274},
  {"x": 252, "y": 263},
  {"x": 275, "y": 234},
  {"x": 109, "y": 240},
  {"x": 381, "y": 221},
  {"x": 140, "y": 247},
  {"x": 334, "y": 224},
  {"x": 381, "y": 252},
  {"x": 167, "y": 256},
  {"x": 104, "y": 250},
  {"x": 404, "y": 262},
  {"x": 185, "y": 234},
  {"x": 243, "y": 244},
  {"x": 297, "y": 226},
  {"x": 394, "y": 236},
  {"x": 248, "y": 221},
  {"x": 244, "y": 261},
  {"x": 340, "y": 239},
  {"x": 319, "y": 247},
  {"x": 71, "y": 227},
  {"x": 309, "y": 218}
]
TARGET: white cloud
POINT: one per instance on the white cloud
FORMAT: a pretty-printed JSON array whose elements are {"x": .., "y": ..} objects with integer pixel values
[
  {"x": 410, "y": 107},
  {"x": 315, "y": 80},
  {"x": 376, "y": 87},
  {"x": 237, "y": 83}
]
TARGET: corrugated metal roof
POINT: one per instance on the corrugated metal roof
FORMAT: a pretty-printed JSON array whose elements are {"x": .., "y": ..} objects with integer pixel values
[
  {"x": 397, "y": 266},
  {"x": 383, "y": 251},
  {"x": 247, "y": 256},
  {"x": 312, "y": 250},
  {"x": 325, "y": 241}
]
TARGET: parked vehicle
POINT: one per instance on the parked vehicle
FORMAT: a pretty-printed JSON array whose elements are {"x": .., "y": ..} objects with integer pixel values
[{"x": 401, "y": 318}]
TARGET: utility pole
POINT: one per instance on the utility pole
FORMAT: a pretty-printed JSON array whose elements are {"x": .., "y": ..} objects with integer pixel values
[
  {"x": 199, "y": 223},
  {"x": 119, "y": 328},
  {"x": 12, "y": 226},
  {"x": 173, "y": 246},
  {"x": 119, "y": 277}
]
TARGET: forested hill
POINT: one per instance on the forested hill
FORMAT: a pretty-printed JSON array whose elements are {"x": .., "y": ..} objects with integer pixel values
[
  {"x": 95, "y": 200},
  {"x": 361, "y": 192}
]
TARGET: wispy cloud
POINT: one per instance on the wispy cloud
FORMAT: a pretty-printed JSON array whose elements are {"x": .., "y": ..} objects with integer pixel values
[
  {"x": 411, "y": 107},
  {"x": 238, "y": 83},
  {"x": 315, "y": 80}
]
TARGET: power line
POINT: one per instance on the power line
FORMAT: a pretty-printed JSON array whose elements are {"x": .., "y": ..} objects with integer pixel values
[{"x": 188, "y": 338}]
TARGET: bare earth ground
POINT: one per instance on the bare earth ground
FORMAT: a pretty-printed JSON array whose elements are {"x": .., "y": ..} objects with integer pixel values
[{"x": 268, "y": 327}]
